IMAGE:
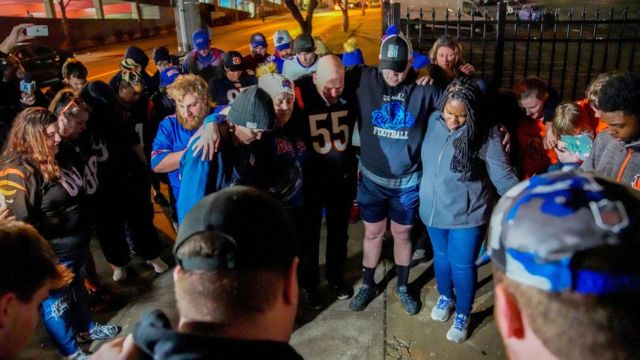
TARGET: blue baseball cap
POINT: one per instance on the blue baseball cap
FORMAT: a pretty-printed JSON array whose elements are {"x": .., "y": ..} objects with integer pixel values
[
  {"x": 543, "y": 228},
  {"x": 201, "y": 39},
  {"x": 168, "y": 76},
  {"x": 258, "y": 39}
]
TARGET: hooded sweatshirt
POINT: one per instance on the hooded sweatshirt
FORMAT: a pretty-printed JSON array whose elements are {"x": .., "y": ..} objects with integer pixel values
[
  {"x": 393, "y": 121},
  {"x": 154, "y": 336},
  {"x": 615, "y": 159},
  {"x": 448, "y": 202}
]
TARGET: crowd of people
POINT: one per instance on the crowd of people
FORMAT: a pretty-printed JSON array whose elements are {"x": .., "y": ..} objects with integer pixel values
[{"x": 256, "y": 148}]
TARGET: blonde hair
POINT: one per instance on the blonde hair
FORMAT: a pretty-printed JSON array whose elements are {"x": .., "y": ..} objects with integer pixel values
[
  {"x": 566, "y": 119},
  {"x": 595, "y": 87},
  {"x": 448, "y": 42},
  {"x": 188, "y": 84},
  {"x": 27, "y": 140},
  {"x": 266, "y": 68}
]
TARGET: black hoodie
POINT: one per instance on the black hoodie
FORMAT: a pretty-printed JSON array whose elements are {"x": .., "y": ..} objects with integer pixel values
[
  {"x": 155, "y": 337},
  {"x": 393, "y": 121}
]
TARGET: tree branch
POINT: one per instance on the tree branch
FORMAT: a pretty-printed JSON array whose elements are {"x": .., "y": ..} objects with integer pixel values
[
  {"x": 313, "y": 4},
  {"x": 295, "y": 12}
]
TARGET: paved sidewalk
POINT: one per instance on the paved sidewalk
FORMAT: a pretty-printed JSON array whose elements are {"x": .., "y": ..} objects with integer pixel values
[{"x": 381, "y": 331}]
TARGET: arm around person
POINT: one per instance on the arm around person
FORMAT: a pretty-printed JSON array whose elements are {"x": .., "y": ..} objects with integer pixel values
[{"x": 499, "y": 168}]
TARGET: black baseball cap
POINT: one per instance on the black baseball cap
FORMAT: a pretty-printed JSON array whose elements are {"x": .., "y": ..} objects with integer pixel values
[
  {"x": 251, "y": 228},
  {"x": 395, "y": 53},
  {"x": 304, "y": 43},
  {"x": 233, "y": 61}
]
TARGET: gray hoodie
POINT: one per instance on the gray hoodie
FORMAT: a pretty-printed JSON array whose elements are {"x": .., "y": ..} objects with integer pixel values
[
  {"x": 615, "y": 159},
  {"x": 445, "y": 200}
]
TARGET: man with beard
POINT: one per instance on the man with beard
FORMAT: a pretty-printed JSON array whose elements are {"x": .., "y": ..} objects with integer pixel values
[
  {"x": 190, "y": 92},
  {"x": 258, "y": 46},
  {"x": 203, "y": 60}
]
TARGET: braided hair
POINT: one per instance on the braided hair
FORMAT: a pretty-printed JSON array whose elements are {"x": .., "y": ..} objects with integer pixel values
[{"x": 474, "y": 133}]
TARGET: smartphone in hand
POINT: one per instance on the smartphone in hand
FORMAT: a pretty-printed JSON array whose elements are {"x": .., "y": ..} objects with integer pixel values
[{"x": 37, "y": 30}]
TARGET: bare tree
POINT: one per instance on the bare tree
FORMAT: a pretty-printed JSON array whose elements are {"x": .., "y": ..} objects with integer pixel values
[
  {"x": 305, "y": 23},
  {"x": 65, "y": 23},
  {"x": 344, "y": 8}
]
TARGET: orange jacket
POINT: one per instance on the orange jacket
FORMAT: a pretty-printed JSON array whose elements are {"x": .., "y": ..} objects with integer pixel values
[
  {"x": 596, "y": 123},
  {"x": 534, "y": 159}
]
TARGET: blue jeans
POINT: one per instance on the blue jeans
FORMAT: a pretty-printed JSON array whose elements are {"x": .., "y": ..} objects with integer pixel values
[
  {"x": 66, "y": 310},
  {"x": 454, "y": 255}
]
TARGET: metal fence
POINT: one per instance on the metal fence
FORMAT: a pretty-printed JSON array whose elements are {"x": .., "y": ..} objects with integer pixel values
[{"x": 565, "y": 48}]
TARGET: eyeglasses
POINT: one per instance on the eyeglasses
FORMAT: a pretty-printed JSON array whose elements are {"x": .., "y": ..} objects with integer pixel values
[{"x": 73, "y": 108}]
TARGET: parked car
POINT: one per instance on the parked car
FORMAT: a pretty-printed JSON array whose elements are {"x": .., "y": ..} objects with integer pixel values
[
  {"x": 533, "y": 12},
  {"x": 42, "y": 61}
]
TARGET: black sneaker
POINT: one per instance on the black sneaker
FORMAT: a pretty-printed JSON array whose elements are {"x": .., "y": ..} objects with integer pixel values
[
  {"x": 409, "y": 305},
  {"x": 312, "y": 299},
  {"x": 99, "y": 332},
  {"x": 362, "y": 298},
  {"x": 341, "y": 290}
]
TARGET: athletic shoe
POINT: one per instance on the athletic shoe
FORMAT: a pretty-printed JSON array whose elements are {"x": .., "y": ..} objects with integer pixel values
[
  {"x": 362, "y": 298},
  {"x": 78, "y": 355},
  {"x": 119, "y": 273},
  {"x": 458, "y": 331},
  {"x": 442, "y": 310},
  {"x": 409, "y": 305},
  {"x": 158, "y": 265},
  {"x": 100, "y": 332},
  {"x": 341, "y": 290},
  {"x": 312, "y": 299}
]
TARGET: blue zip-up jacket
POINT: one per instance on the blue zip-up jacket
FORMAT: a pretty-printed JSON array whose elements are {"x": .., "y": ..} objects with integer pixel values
[
  {"x": 445, "y": 200},
  {"x": 171, "y": 137}
]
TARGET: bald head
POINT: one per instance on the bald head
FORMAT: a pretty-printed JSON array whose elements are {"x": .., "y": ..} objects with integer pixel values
[{"x": 329, "y": 78}]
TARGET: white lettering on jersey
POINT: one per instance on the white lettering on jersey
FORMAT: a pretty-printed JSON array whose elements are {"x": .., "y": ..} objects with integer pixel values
[{"x": 339, "y": 132}]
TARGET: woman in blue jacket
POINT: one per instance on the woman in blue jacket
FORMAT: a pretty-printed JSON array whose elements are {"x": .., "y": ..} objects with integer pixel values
[{"x": 463, "y": 160}]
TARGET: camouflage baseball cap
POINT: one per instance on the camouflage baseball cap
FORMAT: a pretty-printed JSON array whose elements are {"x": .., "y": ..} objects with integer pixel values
[{"x": 542, "y": 225}]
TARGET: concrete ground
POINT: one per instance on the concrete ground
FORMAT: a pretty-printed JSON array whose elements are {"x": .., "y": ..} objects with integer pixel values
[{"x": 381, "y": 331}]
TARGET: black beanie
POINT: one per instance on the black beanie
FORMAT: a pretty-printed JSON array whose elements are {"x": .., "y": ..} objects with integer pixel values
[{"x": 253, "y": 109}]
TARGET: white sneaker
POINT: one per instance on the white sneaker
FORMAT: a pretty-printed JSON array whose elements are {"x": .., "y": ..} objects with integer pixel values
[
  {"x": 158, "y": 265},
  {"x": 119, "y": 273},
  {"x": 442, "y": 310},
  {"x": 458, "y": 331}
]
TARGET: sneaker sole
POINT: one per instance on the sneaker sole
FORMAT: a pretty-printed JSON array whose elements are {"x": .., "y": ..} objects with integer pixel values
[
  {"x": 456, "y": 340},
  {"x": 441, "y": 320}
]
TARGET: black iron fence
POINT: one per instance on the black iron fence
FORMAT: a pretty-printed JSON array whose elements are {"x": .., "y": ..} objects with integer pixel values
[{"x": 565, "y": 48}]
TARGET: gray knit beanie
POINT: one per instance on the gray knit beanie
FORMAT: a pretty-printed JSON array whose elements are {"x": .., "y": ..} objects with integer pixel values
[{"x": 253, "y": 109}]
